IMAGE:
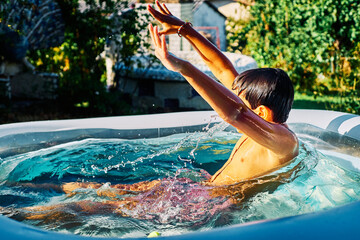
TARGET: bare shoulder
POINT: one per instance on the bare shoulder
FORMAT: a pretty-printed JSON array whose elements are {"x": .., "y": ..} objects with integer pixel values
[{"x": 287, "y": 143}]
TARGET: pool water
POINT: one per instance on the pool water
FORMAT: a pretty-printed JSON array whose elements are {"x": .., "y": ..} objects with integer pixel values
[{"x": 311, "y": 182}]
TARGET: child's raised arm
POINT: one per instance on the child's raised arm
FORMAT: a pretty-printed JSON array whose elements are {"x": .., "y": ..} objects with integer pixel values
[
  {"x": 218, "y": 63},
  {"x": 225, "y": 102},
  {"x": 221, "y": 99}
]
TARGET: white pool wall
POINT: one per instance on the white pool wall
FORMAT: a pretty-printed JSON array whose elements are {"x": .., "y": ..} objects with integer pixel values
[
  {"x": 342, "y": 123},
  {"x": 337, "y": 223}
]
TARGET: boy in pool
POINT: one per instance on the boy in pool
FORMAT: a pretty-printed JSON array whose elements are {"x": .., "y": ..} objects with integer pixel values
[{"x": 257, "y": 103}]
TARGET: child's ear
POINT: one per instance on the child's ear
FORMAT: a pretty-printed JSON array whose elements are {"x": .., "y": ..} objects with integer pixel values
[{"x": 264, "y": 112}]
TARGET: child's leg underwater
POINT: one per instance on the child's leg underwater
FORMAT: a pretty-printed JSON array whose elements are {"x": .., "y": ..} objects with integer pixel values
[
  {"x": 60, "y": 212},
  {"x": 111, "y": 191}
]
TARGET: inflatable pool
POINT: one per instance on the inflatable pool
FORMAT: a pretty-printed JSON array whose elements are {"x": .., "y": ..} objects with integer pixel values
[{"x": 335, "y": 128}]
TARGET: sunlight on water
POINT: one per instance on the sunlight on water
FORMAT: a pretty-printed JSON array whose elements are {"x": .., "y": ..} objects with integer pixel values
[{"x": 179, "y": 203}]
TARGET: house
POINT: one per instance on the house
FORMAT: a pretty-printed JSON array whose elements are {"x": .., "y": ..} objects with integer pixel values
[
  {"x": 232, "y": 8},
  {"x": 154, "y": 88},
  {"x": 204, "y": 16}
]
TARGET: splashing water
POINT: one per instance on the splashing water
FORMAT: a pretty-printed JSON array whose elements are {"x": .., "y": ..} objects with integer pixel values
[
  {"x": 180, "y": 202},
  {"x": 184, "y": 142}
]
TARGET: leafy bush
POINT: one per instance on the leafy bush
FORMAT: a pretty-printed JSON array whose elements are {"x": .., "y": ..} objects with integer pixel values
[
  {"x": 316, "y": 42},
  {"x": 78, "y": 60}
]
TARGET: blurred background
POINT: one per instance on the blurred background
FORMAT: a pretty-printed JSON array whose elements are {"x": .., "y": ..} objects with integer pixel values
[{"x": 62, "y": 59}]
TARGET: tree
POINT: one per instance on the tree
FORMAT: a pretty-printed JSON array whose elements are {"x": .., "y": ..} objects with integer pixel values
[
  {"x": 316, "y": 42},
  {"x": 78, "y": 60}
]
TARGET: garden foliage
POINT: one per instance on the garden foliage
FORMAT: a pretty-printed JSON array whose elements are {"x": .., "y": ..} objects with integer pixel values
[
  {"x": 80, "y": 59},
  {"x": 316, "y": 42}
]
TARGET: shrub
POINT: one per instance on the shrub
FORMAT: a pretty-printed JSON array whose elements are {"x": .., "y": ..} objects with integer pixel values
[
  {"x": 316, "y": 42},
  {"x": 78, "y": 60}
]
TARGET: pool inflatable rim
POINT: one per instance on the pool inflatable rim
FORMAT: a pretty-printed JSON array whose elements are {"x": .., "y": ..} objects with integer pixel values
[
  {"x": 333, "y": 223},
  {"x": 339, "y": 122}
]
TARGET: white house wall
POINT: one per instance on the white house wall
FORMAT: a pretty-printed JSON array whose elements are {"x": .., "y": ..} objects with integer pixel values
[
  {"x": 235, "y": 10},
  {"x": 206, "y": 16},
  {"x": 181, "y": 91}
]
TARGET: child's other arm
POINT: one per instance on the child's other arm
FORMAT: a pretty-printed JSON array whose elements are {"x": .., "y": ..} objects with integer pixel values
[
  {"x": 226, "y": 103},
  {"x": 218, "y": 63},
  {"x": 220, "y": 98}
]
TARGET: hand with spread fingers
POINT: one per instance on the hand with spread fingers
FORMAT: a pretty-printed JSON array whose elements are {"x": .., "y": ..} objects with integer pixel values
[
  {"x": 169, "y": 22},
  {"x": 170, "y": 61}
]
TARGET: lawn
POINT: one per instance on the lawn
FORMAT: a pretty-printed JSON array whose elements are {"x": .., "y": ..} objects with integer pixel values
[{"x": 305, "y": 101}]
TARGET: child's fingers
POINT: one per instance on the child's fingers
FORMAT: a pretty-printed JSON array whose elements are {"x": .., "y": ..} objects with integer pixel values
[
  {"x": 163, "y": 44},
  {"x": 161, "y": 8},
  {"x": 151, "y": 30},
  {"x": 156, "y": 36},
  {"x": 153, "y": 36},
  {"x": 166, "y": 9},
  {"x": 158, "y": 43},
  {"x": 154, "y": 13}
]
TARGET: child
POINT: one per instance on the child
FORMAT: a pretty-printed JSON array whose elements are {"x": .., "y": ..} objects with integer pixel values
[{"x": 257, "y": 103}]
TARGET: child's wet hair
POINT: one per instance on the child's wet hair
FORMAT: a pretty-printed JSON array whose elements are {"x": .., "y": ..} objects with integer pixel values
[{"x": 270, "y": 87}]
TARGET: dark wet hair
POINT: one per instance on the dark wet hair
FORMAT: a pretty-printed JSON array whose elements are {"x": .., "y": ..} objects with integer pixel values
[{"x": 270, "y": 87}]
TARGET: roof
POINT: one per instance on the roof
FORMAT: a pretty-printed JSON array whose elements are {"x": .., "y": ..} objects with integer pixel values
[{"x": 197, "y": 4}]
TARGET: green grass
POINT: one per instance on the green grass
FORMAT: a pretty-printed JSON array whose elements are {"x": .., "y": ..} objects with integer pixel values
[{"x": 305, "y": 101}]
